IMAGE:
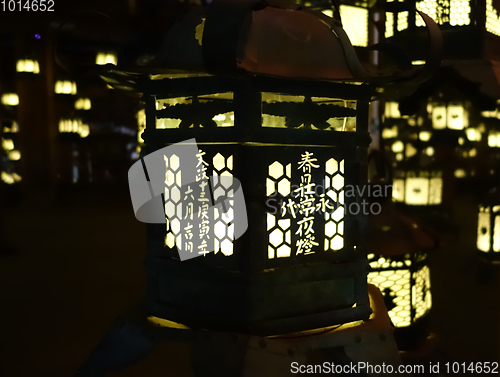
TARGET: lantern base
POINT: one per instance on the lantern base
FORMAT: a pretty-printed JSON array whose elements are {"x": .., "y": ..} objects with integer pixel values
[
  {"x": 268, "y": 303},
  {"x": 367, "y": 343}
]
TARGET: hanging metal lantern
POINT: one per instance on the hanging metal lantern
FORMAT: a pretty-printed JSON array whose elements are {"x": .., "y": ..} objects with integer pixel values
[
  {"x": 488, "y": 228},
  {"x": 400, "y": 269},
  {"x": 262, "y": 115},
  {"x": 294, "y": 146}
]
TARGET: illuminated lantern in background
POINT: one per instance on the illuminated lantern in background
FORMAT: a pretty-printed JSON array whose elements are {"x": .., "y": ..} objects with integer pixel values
[
  {"x": 355, "y": 17},
  {"x": 65, "y": 87},
  {"x": 28, "y": 66},
  {"x": 417, "y": 186},
  {"x": 488, "y": 228},
  {"x": 10, "y": 153},
  {"x": 103, "y": 58},
  {"x": 399, "y": 267}
]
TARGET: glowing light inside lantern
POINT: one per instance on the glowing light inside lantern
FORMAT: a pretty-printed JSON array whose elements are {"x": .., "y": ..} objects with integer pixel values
[
  {"x": 83, "y": 104},
  {"x": 14, "y": 155},
  {"x": 10, "y": 99},
  {"x": 28, "y": 65},
  {"x": 74, "y": 126},
  {"x": 65, "y": 87},
  {"x": 425, "y": 135},
  {"x": 492, "y": 18},
  {"x": 103, "y": 58},
  {"x": 453, "y": 116},
  {"x": 141, "y": 124},
  {"x": 488, "y": 239},
  {"x": 355, "y": 24},
  {"x": 390, "y": 133},
  {"x": 300, "y": 205},
  {"x": 7, "y": 144},
  {"x": 419, "y": 188},
  {"x": 407, "y": 294},
  {"x": 10, "y": 178},
  {"x": 473, "y": 134},
  {"x": 398, "y": 146},
  {"x": 494, "y": 139},
  {"x": 460, "y": 173},
  {"x": 389, "y": 24}
]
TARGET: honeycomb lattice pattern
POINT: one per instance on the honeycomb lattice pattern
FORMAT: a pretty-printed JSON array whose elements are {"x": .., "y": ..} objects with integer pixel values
[
  {"x": 492, "y": 18},
  {"x": 334, "y": 189},
  {"x": 407, "y": 294},
  {"x": 172, "y": 198},
  {"x": 223, "y": 230},
  {"x": 389, "y": 24},
  {"x": 421, "y": 295},
  {"x": 224, "y": 226},
  {"x": 280, "y": 233},
  {"x": 395, "y": 286}
]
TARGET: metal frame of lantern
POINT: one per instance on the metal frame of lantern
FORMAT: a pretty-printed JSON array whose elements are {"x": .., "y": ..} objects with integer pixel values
[
  {"x": 488, "y": 228},
  {"x": 273, "y": 279},
  {"x": 404, "y": 281}
]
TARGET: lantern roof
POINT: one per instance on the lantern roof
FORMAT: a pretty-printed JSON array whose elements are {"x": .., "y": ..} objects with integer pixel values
[{"x": 249, "y": 37}]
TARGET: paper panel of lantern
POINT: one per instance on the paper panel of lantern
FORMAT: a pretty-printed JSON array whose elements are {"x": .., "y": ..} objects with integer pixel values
[
  {"x": 418, "y": 187},
  {"x": 405, "y": 283},
  {"x": 488, "y": 232},
  {"x": 10, "y": 153},
  {"x": 294, "y": 148}
]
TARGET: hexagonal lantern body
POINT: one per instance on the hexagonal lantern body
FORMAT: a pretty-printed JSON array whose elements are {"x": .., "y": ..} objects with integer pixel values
[
  {"x": 404, "y": 280},
  {"x": 488, "y": 228},
  {"x": 301, "y": 263}
]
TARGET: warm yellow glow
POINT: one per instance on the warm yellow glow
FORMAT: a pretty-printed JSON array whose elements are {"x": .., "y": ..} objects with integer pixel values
[
  {"x": 461, "y": 141},
  {"x": 390, "y": 133},
  {"x": 459, "y": 12},
  {"x": 458, "y": 117},
  {"x": 492, "y": 18},
  {"x": 425, "y": 135},
  {"x": 103, "y": 58},
  {"x": 14, "y": 128},
  {"x": 10, "y": 99},
  {"x": 83, "y": 104},
  {"x": 7, "y": 144},
  {"x": 429, "y": 7},
  {"x": 418, "y": 62},
  {"x": 10, "y": 178},
  {"x": 419, "y": 190},
  {"x": 65, "y": 87},
  {"x": 429, "y": 151},
  {"x": 453, "y": 116},
  {"x": 483, "y": 229},
  {"x": 398, "y": 281},
  {"x": 398, "y": 146},
  {"x": 392, "y": 110},
  {"x": 28, "y": 65},
  {"x": 494, "y": 139},
  {"x": 410, "y": 150},
  {"x": 402, "y": 21},
  {"x": 141, "y": 124},
  {"x": 399, "y": 157},
  {"x": 473, "y": 134},
  {"x": 473, "y": 152},
  {"x": 83, "y": 130},
  {"x": 355, "y": 24},
  {"x": 166, "y": 323},
  {"x": 460, "y": 173},
  {"x": 389, "y": 24},
  {"x": 14, "y": 155}
]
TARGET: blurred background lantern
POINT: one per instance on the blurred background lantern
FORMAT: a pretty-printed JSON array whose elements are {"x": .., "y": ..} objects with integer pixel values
[
  {"x": 416, "y": 185},
  {"x": 398, "y": 255},
  {"x": 488, "y": 227}
]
